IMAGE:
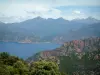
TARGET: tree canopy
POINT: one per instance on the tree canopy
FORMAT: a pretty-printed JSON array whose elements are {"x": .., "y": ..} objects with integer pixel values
[{"x": 12, "y": 65}]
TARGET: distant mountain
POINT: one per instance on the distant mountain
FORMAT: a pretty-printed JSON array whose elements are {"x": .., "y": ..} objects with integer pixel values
[
  {"x": 77, "y": 56},
  {"x": 91, "y": 30},
  {"x": 88, "y": 20},
  {"x": 44, "y": 30}
]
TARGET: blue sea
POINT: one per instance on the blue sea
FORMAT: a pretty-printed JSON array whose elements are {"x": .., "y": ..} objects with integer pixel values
[{"x": 23, "y": 50}]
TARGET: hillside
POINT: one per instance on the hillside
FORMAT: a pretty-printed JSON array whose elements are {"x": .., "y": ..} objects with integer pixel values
[
  {"x": 86, "y": 31},
  {"x": 77, "y": 56},
  {"x": 56, "y": 30},
  {"x": 12, "y": 65}
]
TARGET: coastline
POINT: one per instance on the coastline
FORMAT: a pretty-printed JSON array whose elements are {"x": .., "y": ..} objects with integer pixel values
[{"x": 29, "y": 42}]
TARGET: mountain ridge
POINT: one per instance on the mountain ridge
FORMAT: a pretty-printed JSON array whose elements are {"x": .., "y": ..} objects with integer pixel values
[
  {"x": 76, "y": 46},
  {"x": 74, "y": 57},
  {"x": 60, "y": 18},
  {"x": 56, "y": 30}
]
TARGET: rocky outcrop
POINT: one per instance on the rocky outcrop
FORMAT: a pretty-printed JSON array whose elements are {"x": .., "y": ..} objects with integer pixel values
[
  {"x": 76, "y": 46},
  {"x": 77, "y": 57}
]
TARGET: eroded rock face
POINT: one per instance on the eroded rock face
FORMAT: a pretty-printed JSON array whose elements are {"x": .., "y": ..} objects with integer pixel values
[
  {"x": 77, "y": 57},
  {"x": 78, "y": 47}
]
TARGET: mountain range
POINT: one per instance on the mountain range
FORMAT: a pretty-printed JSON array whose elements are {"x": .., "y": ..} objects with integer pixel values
[
  {"x": 75, "y": 57},
  {"x": 49, "y": 30}
]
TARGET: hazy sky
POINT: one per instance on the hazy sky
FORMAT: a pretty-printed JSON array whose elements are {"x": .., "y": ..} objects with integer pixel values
[{"x": 20, "y": 10}]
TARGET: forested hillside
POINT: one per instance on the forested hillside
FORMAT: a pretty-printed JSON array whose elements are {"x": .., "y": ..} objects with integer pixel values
[{"x": 12, "y": 65}]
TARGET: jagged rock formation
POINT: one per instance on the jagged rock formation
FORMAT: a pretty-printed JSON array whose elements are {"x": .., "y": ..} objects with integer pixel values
[
  {"x": 77, "y": 56},
  {"x": 75, "y": 46}
]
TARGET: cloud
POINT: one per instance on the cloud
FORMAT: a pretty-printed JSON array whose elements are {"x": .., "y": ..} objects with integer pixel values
[
  {"x": 20, "y": 10},
  {"x": 77, "y": 12},
  {"x": 57, "y": 2}
]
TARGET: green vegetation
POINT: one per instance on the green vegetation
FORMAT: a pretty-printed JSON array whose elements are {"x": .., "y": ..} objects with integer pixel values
[
  {"x": 89, "y": 64},
  {"x": 11, "y": 65},
  {"x": 74, "y": 58},
  {"x": 44, "y": 68}
]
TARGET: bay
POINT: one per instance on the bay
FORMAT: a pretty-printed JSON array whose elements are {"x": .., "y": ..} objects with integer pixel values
[{"x": 25, "y": 50}]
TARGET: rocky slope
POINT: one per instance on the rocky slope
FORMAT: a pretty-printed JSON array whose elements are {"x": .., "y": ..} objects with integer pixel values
[
  {"x": 77, "y": 56},
  {"x": 75, "y": 46}
]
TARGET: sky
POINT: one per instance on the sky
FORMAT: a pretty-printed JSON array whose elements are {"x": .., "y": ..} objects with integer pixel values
[{"x": 20, "y": 10}]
